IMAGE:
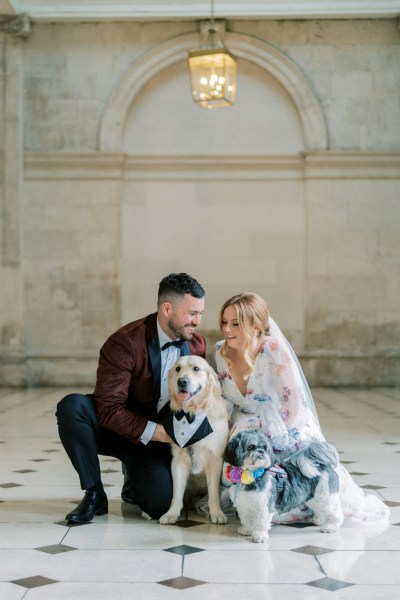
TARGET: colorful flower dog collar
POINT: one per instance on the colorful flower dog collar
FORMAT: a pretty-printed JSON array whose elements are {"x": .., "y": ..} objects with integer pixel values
[
  {"x": 247, "y": 477},
  {"x": 244, "y": 476}
]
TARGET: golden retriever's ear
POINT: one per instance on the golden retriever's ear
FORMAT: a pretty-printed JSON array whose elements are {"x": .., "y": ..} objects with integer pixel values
[
  {"x": 214, "y": 386},
  {"x": 172, "y": 376}
]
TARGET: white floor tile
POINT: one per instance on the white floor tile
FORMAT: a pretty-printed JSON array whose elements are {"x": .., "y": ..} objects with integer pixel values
[
  {"x": 370, "y": 567},
  {"x": 121, "y": 555},
  {"x": 241, "y": 566}
]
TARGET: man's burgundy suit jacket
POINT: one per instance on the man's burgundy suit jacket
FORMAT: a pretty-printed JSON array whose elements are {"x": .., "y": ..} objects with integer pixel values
[{"x": 128, "y": 377}]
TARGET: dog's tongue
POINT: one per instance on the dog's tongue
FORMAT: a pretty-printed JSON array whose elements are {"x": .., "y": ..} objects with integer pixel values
[{"x": 183, "y": 396}]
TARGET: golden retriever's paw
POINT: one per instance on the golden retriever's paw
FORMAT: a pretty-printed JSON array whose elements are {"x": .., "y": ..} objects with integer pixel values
[
  {"x": 169, "y": 518},
  {"x": 218, "y": 518}
]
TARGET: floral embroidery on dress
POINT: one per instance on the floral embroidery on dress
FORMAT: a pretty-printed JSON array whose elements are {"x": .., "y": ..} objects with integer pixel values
[
  {"x": 285, "y": 415},
  {"x": 274, "y": 345},
  {"x": 224, "y": 375},
  {"x": 294, "y": 433},
  {"x": 287, "y": 392},
  {"x": 277, "y": 444},
  {"x": 279, "y": 369},
  {"x": 262, "y": 398}
]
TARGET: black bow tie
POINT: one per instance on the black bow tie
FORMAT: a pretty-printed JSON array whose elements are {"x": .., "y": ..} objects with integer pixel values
[
  {"x": 176, "y": 343},
  {"x": 181, "y": 413}
]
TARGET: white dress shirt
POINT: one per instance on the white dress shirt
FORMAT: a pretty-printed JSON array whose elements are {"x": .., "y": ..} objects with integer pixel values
[{"x": 168, "y": 359}]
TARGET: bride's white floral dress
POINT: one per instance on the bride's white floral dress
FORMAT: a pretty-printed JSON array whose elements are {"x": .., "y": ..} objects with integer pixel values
[{"x": 278, "y": 400}]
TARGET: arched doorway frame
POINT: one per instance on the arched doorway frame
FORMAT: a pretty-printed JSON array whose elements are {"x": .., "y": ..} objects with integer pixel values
[{"x": 243, "y": 46}]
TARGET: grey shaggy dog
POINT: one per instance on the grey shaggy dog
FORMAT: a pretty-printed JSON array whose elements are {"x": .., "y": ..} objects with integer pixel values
[{"x": 310, "y": 477}]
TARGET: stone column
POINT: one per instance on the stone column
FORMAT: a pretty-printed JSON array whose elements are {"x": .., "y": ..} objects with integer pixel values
[{"x": 12, "y": 33}]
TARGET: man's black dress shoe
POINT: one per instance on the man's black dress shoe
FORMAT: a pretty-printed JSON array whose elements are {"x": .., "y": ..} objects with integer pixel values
[{"x": 92, "y": 504}]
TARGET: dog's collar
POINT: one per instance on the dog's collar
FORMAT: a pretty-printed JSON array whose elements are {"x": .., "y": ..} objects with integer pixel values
[
  {"x": 280, "y": 476},
  {"x": 244, "y": 476}
]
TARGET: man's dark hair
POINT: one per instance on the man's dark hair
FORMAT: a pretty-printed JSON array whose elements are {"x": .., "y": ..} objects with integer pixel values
[{"x": 179, "y": 284}]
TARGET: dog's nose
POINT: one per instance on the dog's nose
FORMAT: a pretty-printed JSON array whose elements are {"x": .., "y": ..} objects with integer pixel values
[{"x": 182, "y": 382}]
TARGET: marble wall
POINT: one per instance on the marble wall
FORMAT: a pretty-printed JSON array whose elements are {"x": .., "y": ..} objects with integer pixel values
[{"x": 112, "y": 177}]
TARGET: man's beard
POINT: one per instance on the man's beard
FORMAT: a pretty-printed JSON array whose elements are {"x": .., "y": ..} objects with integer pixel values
[{"x": 179, "y": 331}]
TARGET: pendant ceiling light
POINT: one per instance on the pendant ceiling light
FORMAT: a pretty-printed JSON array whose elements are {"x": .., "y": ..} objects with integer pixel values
[{"x": 212, "y": 67}]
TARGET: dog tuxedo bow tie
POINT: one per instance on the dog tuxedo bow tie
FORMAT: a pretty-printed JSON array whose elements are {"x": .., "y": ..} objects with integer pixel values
[
  {"x": 180, "y": 414},
  {"x": 176, "y": 343},
  {"x": 187, "y": 429}
]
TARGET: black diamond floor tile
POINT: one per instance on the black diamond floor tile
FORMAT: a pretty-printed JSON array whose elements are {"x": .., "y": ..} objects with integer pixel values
[
  {"x": 55, "y": 549},
  {"x": 32, "y": 582},
  {"x": 67, "y": 524},
  {"x": 391, "y": 503},
  {"x": 26, "y": 471},
  {"x": 39, "y": 459},
  {"x": 188, "y": 523},
  {"x": 10, "y": 485},
  {"x": 358, "y": 473},
  {"x": 332, "y": 585},
  {"x": 312, "y": 550},
  {"x": 181, "y": 583},
  {"x": 184, "y": 550},
  {"x": 373, "y": 487},
  {"x": 299, "y": 525}
]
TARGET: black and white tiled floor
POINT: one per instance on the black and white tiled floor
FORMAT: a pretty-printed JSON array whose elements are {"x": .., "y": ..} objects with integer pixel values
[{"x": 123, "y": 555}]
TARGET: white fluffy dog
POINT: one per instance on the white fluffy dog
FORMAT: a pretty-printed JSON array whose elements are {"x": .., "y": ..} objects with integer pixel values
[
  {"x": 261, "y": 488},
  {"x": 199, "y": 425}
]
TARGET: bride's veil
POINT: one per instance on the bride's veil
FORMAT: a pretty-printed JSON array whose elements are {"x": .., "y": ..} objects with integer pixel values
[{"x": 276, "y": 332}]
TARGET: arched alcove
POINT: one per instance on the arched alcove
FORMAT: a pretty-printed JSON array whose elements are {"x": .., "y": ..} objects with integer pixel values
[
  {"x": 163, "y": 120},
  {"x": 251, "y": 49}
]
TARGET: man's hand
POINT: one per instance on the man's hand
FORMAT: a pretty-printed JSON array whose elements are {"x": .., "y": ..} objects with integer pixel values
[{"x": 160, "y": 435}]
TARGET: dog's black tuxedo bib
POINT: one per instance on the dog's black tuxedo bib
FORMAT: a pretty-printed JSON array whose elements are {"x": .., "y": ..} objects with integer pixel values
[{"x": 186, "y": 429}]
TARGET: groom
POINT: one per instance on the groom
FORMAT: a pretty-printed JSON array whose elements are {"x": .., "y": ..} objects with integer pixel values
[{"x": 122, "y": 416}]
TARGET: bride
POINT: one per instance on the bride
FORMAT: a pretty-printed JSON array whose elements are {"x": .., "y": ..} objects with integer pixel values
[{"x": 265, "y": 387}]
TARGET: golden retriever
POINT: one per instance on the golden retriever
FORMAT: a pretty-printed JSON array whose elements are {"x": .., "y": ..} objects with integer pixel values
[{"x": 195, "y": 395}]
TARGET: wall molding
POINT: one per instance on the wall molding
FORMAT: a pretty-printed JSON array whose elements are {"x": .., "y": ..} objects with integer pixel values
[
  {"x": 320, "y": 370},
  {"x": 119, "y": 166},
  {"x": 73, "y": 165},
  {"x": 355, "y": 165},
  {"x": 123, "y": 10}
]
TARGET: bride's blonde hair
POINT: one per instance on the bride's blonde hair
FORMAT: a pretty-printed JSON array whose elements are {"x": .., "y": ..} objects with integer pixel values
[{"x": 252, "y": 311}]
